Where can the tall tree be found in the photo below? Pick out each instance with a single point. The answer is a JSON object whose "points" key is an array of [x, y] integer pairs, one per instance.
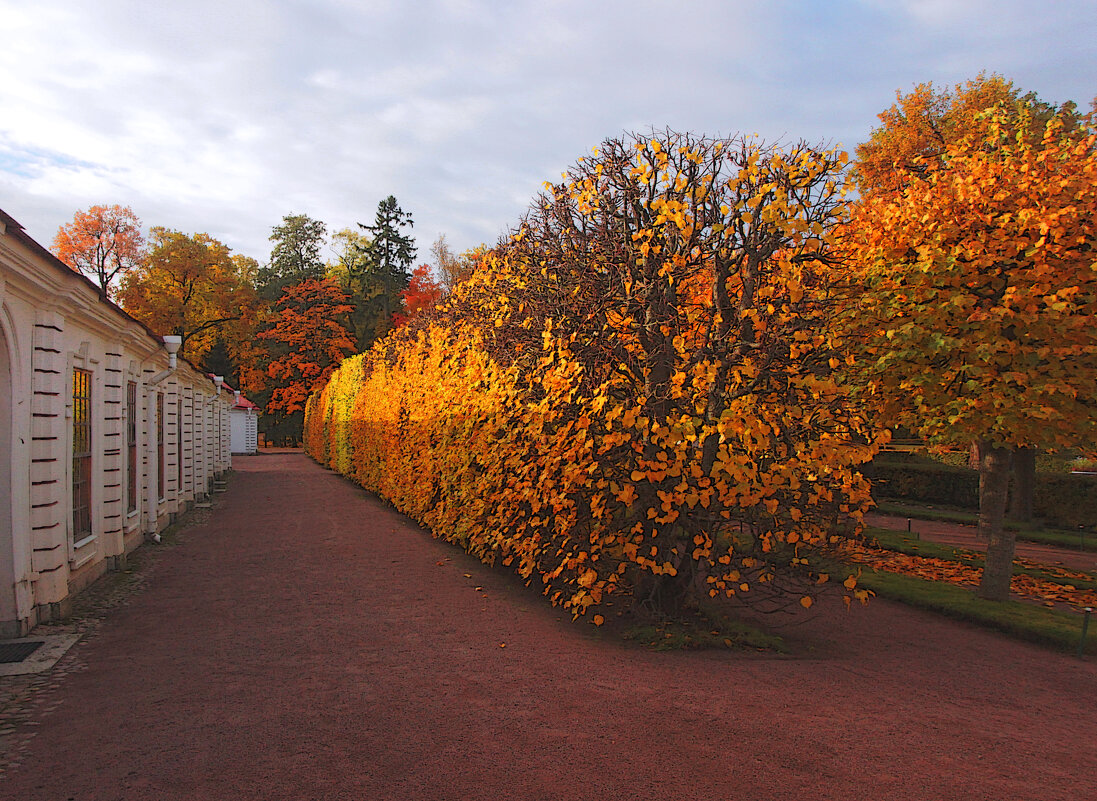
{"points": [[915, 135], [385, 270], [452, 269], [218, 360], [103, 242], [979, 296], [191, 286], [309, 336], [920, 127], [295, 256]]}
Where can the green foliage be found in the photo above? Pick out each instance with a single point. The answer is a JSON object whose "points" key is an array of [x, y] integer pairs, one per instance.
{"points": [[1061, 500], [380, 271], [1065, 500], [923, 480], [295, 256]]}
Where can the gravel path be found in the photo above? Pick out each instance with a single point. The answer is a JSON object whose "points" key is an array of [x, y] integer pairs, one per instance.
{"points": [[306, 642]]}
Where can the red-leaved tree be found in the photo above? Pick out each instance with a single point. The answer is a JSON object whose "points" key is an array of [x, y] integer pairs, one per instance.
{"points": [[103, 242]]}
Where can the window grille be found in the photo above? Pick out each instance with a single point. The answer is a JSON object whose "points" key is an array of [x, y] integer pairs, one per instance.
{"points": [[81, 454], [131, 446], [160, 445], [179, 445]]}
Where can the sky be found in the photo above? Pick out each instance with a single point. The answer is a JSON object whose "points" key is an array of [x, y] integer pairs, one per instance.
{"points": [[225, 116]]}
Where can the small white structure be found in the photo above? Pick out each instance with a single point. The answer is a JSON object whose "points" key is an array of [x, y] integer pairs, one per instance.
{"points": [[244, 424], [105, 435]]}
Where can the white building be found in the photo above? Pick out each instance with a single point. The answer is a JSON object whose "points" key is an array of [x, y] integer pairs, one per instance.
{"points": [[104, 435], [244, 423]]}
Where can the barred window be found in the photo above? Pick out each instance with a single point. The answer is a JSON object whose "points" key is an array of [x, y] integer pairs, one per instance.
{"points": [[81, 454], [131, 446]]}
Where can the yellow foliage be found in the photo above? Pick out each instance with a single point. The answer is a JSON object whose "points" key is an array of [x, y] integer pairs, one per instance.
{"points": [[627, 397]]}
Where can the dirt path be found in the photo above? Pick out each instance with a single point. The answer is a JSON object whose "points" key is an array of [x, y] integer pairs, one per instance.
{"points": [[309, 643], [962, 536]]}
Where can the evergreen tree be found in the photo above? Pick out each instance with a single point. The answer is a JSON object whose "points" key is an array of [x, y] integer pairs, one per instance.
{"points": [[385, 272], [219, 361]]}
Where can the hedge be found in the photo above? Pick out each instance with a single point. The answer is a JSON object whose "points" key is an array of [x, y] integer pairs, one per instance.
{"points": [[1061, 500]]}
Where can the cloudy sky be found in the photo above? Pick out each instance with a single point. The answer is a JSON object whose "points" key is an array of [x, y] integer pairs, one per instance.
{"points": [[224, 116]]}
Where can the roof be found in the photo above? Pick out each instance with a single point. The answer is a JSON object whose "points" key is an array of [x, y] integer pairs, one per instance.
{"points": [[241, 402], [14, 229]]}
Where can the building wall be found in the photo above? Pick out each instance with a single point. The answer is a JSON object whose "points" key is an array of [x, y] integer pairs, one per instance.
{"points": [[245, 430], [53, 322]]}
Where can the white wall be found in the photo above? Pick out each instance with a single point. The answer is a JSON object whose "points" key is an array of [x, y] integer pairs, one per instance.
{"points": [[52, 321]]}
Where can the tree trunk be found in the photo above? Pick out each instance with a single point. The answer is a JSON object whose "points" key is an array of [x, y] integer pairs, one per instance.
{"points": [[973, 456], [1024, 484], [994, 469]]}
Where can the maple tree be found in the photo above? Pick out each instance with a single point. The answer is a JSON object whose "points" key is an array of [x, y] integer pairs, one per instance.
{"points": [[309, 334], [192, 286], [979, 295], [422, 293], [637, 392], [104, 242]]}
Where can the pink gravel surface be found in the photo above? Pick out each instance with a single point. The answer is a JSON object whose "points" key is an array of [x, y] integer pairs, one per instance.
{"points": [[308, 642]]}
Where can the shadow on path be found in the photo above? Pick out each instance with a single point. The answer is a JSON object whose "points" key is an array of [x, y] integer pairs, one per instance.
{"points": [[307, 642]]}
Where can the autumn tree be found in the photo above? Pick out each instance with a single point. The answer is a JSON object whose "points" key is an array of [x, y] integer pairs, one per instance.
{"points": [[979, 295], [309, 336], [190, 285], [382, 273], [916, 132], [914, 138], [452, 269], [423, 292], [638, 391], [104, 242], [295, 256]]}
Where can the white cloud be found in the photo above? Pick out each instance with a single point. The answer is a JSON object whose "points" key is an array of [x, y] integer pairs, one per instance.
{"points": [[223, 117]]}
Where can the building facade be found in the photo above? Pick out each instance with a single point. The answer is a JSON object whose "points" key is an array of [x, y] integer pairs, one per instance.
{"points": [[244, 422], [105, 435]]}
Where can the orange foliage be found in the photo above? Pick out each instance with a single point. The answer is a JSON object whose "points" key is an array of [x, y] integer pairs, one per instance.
{"points": [[309, 327], [422, 293], [636, 393], [980, 293], [103, 242], [932, 569]]}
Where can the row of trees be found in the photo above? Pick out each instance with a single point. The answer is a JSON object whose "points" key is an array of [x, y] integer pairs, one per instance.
{"points": [[275, 330], [721, 325]]}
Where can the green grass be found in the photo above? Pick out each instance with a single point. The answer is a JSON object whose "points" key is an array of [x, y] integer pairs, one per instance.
{"points": [[708, 628], [1051, 627], [1055, 628], [899, 541], [1060, 538]]}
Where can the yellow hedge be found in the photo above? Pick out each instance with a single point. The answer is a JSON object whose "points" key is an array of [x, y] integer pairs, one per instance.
{"points": [[616, 402]]}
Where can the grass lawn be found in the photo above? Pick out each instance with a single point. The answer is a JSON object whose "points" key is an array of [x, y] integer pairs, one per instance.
{"points": [[1055, 627], [1076, 540], [901, 542]]}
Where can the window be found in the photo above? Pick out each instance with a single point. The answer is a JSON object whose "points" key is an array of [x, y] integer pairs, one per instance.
{"points": [[160, 445], [131, 446], [81, 454], [179, 446]]}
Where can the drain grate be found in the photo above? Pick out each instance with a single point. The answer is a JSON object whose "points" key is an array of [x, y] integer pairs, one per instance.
{"points": [[18, 651]]}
